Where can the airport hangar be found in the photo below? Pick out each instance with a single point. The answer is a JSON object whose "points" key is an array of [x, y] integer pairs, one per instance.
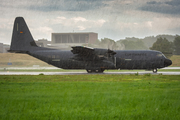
{"points": [[65, 41]]}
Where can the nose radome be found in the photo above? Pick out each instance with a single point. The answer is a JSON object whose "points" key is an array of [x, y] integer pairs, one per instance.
{"points": [[167, 62]]}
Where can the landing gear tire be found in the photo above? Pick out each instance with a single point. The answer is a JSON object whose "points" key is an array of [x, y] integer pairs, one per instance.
{"points": [[155, 70], [95, 71], [89, 71]]}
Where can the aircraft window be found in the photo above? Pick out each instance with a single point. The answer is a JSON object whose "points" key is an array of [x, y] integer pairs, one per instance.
{"points": [[163, 55], [159, 55]]}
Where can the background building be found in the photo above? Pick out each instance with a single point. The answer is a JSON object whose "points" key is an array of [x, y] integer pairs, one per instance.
{"points": [[4, 48], [43, 42], [66, 40]]}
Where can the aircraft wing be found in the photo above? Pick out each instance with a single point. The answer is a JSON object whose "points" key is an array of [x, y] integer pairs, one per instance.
{"points": [[81, 50], [88, 53]]}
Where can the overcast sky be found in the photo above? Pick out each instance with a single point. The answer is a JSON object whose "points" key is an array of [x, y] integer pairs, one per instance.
{"points": [[114, 19]]}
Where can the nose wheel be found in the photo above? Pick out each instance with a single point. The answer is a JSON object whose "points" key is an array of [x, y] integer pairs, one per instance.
{"points": [[155, 70]]}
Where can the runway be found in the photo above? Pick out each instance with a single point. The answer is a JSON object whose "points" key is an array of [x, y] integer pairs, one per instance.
{"points": [[78, 72], [85, 73]]}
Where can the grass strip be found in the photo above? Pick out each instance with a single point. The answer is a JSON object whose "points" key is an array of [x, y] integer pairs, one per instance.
{"points": [[90, 97]]}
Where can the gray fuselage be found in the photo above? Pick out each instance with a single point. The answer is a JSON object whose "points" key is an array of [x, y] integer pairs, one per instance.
{"points": [[138, 59]]}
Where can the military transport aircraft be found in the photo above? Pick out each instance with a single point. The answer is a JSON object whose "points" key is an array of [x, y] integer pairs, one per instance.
{"points": [[91, 59]]}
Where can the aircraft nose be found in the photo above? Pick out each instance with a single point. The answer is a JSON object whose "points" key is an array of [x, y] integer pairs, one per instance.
{"points": [[167, 62]]}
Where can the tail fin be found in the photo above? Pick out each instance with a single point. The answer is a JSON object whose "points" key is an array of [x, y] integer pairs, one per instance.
{"points": [[22, 40]]}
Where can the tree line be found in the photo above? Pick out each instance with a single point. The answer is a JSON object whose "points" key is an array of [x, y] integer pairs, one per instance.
{"points": [[167, 47]]}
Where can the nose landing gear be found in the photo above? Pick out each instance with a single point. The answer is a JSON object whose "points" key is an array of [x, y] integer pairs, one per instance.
{"points": [[155, 70]]}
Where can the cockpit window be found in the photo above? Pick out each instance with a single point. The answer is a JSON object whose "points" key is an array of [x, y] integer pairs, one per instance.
{"points": [[160, 55], [163, 55]]}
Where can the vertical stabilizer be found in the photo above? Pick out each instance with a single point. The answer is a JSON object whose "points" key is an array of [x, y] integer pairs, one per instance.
{"points": [[22, 40]]}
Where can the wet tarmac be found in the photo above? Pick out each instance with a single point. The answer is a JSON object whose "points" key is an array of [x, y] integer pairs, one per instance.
{"points": [[85, 73]]}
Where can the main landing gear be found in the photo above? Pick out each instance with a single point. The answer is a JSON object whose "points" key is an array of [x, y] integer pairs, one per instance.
{"points": [[155, 70], [95, 71]]}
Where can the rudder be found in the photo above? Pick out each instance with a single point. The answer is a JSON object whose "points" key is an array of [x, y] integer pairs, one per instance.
{"points": [[22, 40]]}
